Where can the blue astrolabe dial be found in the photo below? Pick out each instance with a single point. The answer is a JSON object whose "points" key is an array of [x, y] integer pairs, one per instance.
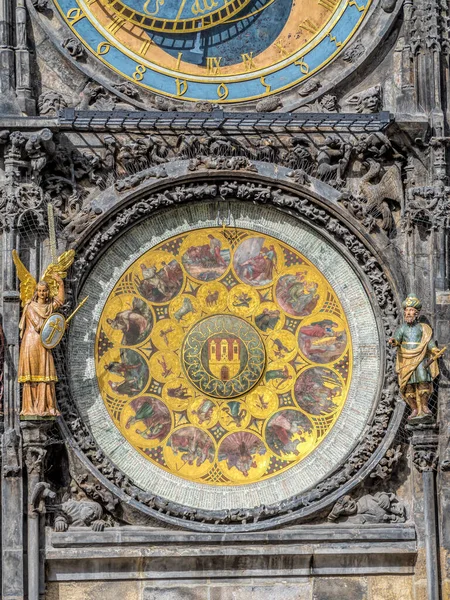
{"points": [[215, 50]]}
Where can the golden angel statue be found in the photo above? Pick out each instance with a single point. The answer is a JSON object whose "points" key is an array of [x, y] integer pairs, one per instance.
{"points": [[37, 370]]}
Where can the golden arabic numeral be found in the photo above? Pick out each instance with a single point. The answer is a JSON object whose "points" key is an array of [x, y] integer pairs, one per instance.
{"points": [[154, 12], [74, 15], [266, 85], [247, 59], [182, 87], [222, 91], [103, 48], [213, 65], [304, 67], [138, 74]]}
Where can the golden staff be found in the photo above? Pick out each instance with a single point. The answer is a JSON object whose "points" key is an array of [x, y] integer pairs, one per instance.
{"points": [[76, 310], [435, 357]]}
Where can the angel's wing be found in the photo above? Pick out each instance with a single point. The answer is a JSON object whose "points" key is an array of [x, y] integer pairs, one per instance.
{"points": [[27, 281], [61, 267]]}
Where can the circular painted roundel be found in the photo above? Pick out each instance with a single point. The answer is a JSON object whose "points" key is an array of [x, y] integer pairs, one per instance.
{"points": [[215, 50], [227, 367], [223, 356]]}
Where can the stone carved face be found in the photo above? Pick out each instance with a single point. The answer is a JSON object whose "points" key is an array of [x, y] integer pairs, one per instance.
{"points": [[349, 506], [88, 513]]}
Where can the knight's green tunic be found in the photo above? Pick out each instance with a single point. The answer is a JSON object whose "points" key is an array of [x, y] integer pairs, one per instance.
{"points": [[410, 336]]}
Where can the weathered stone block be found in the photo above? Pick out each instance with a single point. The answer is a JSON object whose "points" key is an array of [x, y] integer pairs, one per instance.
{"points": [[391, 588], [92, 590], [281, 591], [338, 588], [161, 592]]}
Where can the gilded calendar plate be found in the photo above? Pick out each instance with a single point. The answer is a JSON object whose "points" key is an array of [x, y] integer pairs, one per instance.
{"points": [[223, 356], [215, 50]]}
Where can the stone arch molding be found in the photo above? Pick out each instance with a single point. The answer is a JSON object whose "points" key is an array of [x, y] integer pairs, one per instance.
{"points": [[249, 198]]}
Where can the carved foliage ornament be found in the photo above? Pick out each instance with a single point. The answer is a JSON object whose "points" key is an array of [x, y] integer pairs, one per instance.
{"points": [[112, 478]]}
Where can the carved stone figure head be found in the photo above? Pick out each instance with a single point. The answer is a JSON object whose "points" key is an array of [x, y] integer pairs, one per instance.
{"points": [[345, 506]]}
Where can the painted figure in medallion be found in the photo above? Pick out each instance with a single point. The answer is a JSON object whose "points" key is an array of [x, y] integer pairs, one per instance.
{"points": [[318, 390], [133, 370], [322, 341], [416, 358], [205, 412], [194, 445], [256, 263], [160, 285], [240, 450], [154, 417], [286, 429], [37, 370], [297, 295], [135, 322], [268, 319], [208, 261]]}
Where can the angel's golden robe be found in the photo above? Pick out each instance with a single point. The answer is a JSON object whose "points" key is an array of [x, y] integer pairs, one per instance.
{"points": [[36, 367]]}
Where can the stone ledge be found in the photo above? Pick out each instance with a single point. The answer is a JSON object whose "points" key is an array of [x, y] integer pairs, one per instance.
{"points": [[131, 553], [128, 535]]}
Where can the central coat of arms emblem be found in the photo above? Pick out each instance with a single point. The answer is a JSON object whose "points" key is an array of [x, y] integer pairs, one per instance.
{"points": [[223, 356]]}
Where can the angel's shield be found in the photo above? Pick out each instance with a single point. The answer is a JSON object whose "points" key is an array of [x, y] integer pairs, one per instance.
{"points": [[53, 330]]}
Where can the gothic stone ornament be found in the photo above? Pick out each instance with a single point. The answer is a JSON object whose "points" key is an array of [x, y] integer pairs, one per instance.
{"points": [[301, 503], [80, 513], [417, 356], [381, 507], [197, 50]]}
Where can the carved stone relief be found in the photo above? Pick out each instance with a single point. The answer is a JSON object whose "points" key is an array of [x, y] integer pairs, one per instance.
{"points": [[377, 508]]}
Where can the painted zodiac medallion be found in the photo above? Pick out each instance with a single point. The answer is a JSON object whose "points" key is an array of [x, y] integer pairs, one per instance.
{"points": [[223, 356]]}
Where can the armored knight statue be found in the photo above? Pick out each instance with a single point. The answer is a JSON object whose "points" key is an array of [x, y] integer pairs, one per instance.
{"points": [[37, 370], [417, 356]]}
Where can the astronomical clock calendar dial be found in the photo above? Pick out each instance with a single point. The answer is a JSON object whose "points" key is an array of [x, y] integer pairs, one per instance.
{"points": [[223, 357], [240, 357], [216, 50]]}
